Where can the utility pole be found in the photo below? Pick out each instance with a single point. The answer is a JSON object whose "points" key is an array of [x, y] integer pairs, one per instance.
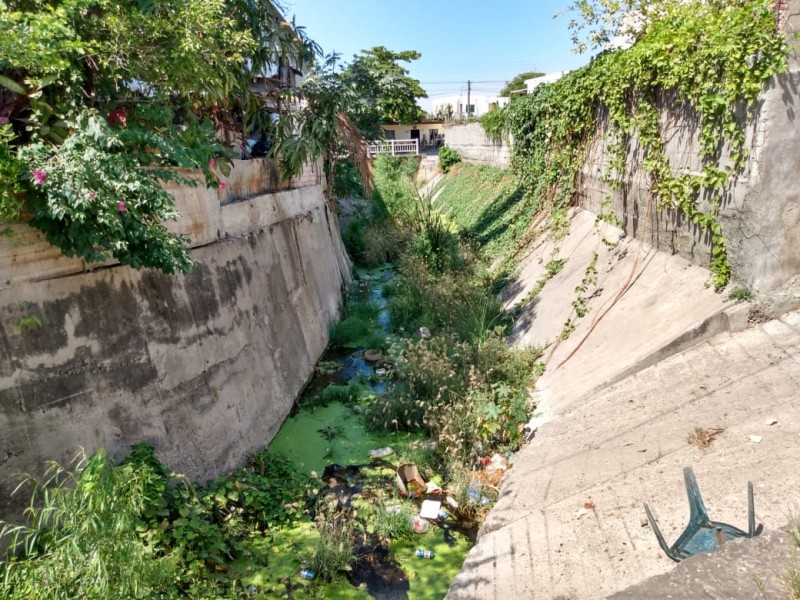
{"points": [[469, 89]]}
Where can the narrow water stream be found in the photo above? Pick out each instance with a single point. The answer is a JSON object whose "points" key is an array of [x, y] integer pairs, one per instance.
{"points": [[332, 443]]}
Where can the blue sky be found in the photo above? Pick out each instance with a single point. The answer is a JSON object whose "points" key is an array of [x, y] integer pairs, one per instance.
{"points": [[487, 42]]}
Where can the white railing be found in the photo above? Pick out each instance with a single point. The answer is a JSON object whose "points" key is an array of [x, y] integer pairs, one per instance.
{"points": [[395, 147]]}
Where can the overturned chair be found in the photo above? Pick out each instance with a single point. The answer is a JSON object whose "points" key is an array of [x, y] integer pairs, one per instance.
{"points": [[702, 534]]}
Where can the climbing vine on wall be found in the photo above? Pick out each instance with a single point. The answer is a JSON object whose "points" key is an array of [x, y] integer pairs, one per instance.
{"points": [[711, 57]]}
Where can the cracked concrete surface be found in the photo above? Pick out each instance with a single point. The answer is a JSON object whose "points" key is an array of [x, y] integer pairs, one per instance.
{"points": [[613, 421], [627, 445]]}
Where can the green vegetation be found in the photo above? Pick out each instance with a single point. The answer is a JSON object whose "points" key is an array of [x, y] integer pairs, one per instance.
{"points": [[29, 323], [447, 158], [357, 329], [740, 294], [489, 207], [333, 553], [494, 124], [139, 530], [711, 57], [101, 100]]}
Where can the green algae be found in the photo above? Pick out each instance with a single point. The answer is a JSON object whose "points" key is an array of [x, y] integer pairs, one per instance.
{"points": [[274, 563], [333, 434], [429, 579]]}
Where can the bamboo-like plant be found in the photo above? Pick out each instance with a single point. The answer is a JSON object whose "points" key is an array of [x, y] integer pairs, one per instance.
{"points": [[80, 539]]}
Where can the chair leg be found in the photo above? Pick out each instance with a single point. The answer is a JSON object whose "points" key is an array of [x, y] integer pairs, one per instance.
{"points": [[751, 510], [697, 509], [661, 541]]}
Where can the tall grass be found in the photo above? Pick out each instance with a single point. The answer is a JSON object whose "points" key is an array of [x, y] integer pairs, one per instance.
{"points": [[81, 540]]}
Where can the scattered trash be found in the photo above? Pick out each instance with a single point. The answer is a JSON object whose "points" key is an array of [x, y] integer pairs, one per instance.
{"points": [[443, 515], [424, 333], [409, 481], [252, 590], [433, 488], [430, 509], [451, 502], [474, 490], [771, 421], [485, 501], [424, 553], [588, 505], [393, 509], [373, 355], [380, 372], [756, 439], [497, 463], [581, 512], [421, 525], [644, 523], [306, 574], [381, 452]]}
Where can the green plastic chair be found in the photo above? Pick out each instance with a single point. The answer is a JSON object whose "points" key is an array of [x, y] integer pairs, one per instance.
{"points": [[702, 534]]}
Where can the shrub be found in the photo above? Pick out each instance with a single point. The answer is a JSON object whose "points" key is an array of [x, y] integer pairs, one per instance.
{"points": [[345, 394], [392, 523], [447, 158], [347, 181], [395, 190], [494, 124], [437, 245], [372, 243], [81, 539], [334, 551], [94, 201]]}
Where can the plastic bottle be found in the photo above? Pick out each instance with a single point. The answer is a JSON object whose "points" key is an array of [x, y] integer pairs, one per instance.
{"points": [[424, 553], [474, 490], [306, 574], [381, 452]]}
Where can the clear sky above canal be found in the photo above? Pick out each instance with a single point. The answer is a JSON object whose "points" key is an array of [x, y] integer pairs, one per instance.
{"points": [[487, 42]]}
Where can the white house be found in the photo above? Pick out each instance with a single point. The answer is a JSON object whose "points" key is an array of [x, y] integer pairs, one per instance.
{"points": [[480, 104], [532, 84]]}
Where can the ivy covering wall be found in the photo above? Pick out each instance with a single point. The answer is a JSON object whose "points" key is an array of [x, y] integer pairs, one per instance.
{"points": [[711, 57]]}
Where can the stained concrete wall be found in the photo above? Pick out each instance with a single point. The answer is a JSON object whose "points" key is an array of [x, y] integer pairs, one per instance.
{"points": [[474, 146], [760, 216], [204, 366]]}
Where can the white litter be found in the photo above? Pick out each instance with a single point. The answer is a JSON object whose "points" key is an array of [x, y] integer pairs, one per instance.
{"points": [[756, 439], [430, 509]]}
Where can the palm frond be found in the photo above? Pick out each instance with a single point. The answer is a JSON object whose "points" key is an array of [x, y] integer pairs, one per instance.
{"points": [[357, 149]]}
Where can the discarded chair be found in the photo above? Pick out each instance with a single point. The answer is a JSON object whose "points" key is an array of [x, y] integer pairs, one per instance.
{"points": [[702, 534]]}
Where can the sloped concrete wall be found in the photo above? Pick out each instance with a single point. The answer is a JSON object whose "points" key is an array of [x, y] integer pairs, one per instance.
{"points": [[474, 146], [760, 216], [204, 366]]}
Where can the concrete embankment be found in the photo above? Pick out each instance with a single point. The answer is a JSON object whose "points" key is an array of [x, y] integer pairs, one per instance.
{"points": [[205, 367], [619, 400]]}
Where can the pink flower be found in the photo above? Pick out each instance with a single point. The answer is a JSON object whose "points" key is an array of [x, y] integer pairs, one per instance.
{"points": [[121, 206], [92, 195], [211, 163], [118, 116], [39, 177], [223, 185]]}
